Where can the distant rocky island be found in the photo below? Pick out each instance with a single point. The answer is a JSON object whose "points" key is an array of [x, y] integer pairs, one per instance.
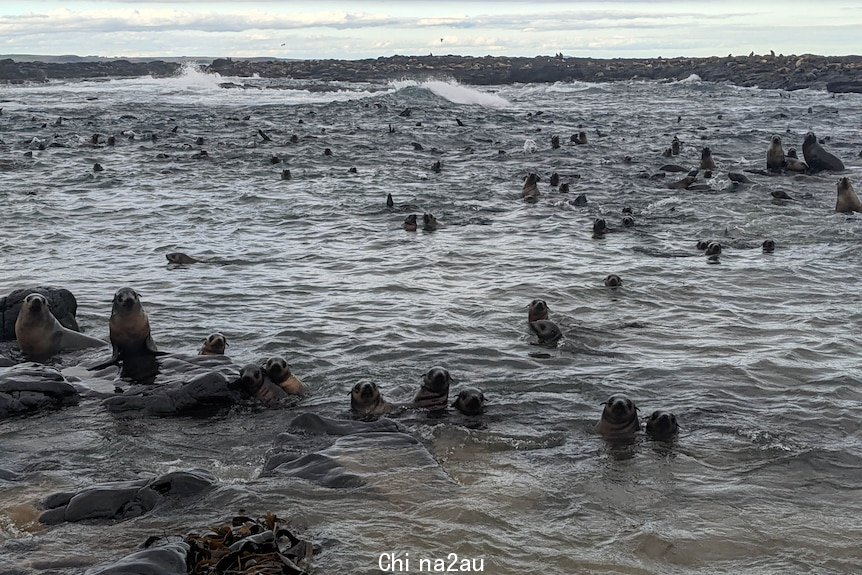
{"points": [[833, 73]]}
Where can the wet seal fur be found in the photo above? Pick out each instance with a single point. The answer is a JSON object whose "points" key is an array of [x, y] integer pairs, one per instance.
{"points": [[547, 331], [613, 280], [530, 193], [366, 401], [434, 392], [129, 329], [214, 344], [470, 401], [253, 382], [40, 336], [537, 310], [179, 258], [278, 371], [847, 201], [706, 161], [619, 417], [817, 158], [662, 425], [775, 155]]}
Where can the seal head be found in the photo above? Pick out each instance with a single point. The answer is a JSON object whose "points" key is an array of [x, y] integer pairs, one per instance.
{"points": [[662, 425], [434, 392], [537, 310], [214, 344], [619, 417], [470, 401]]}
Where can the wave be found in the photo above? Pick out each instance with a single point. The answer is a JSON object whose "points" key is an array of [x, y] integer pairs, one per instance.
{"points": [[455, 93]]}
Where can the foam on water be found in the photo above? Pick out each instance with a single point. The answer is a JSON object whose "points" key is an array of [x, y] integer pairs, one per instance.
{"points": [[456, 93]]}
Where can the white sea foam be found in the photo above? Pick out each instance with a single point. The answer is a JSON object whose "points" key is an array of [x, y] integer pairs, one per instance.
{"points": [[456, 93]]}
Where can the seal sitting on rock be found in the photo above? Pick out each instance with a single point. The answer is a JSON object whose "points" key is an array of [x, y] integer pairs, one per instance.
{"points": [[817, 158], [40, 336], [847, 201], [129, 329]]}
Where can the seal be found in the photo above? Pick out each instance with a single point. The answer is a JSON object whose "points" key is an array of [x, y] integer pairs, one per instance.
{"points": [[410, 223], [253, 381], [600, 228], [628, 221], [129, 329], [579, 138], [775, 155], [537, 310], [768, 246], [619, 417], [530, 193], [706, 161], [470, 401], [674, 146], [214, 344], [712, 249], [817, 158], [278, 371], [366, 401], [613, 280], [181, 259], [847, 201], [547, 331], [434, 392], [662, 425], [429, 222], [554, 181], [40, 336]]}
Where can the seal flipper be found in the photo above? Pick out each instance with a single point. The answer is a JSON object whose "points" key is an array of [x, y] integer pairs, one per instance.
{"points": [[115, 360], [150, 346]]}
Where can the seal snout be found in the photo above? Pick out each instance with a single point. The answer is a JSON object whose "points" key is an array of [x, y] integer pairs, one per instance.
{"points": [[437, 379], [662, 425]]}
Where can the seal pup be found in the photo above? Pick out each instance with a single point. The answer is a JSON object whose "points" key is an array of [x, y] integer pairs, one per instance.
{"points": [[278, 371], [429, 222], [662, 425], [817, 158], [129, 329], [434, 392], [847, 201], [536, 310], [366, 401], [179, 258], [613, 280], [470, 401], [547, 331], [619, 417], [775, 155], [530, 193], [410, 223], [214, 344], [40, 336], [706, 161], [253, 381]]}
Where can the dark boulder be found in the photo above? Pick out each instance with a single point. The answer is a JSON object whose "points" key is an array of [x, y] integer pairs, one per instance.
{"points": [[31, 387]]}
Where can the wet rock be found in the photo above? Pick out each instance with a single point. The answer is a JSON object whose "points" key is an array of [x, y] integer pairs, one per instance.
{"points": [[32, 387], [122, 499], [166, 559], [63, 306]]}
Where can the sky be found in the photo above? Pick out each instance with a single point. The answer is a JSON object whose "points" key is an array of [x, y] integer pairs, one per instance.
{"points": [[367, 29]]}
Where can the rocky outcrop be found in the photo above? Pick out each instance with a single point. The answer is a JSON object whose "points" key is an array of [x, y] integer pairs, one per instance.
{"points": [[31, 387], [16, 72], [63, 304]]}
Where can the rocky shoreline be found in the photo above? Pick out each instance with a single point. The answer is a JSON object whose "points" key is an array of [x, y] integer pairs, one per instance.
{"points": [[834, 73]]}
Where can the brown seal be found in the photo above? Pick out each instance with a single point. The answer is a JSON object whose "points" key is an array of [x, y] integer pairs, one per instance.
{"points": [[366, 401], [619, 417], [817, 158], [253, 381], [214, 344], [537, 310], [129, 328], [410, 223], [470, 401], [547, 331], [179, 258], [278, 370], [706, 161], [530, 193], [775, 155], [847, 201], [429, 222], [40, 336], [662, 425], [434, 392]]}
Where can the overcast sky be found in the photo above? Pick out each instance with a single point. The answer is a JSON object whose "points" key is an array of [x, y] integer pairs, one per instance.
{"points": [[339, 29]]}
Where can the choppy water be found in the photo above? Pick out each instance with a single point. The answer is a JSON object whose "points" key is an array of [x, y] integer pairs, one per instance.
{"points": [[757, 355]]}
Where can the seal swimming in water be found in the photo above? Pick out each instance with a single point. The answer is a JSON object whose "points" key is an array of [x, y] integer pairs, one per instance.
{"points": [[768, 246], [179, 258], [129, 329], [619, 417], [712, 249], [817, 158], [706, 161], [434, 392], [410, 223], [214, 344], [40, 336], [600, 228], [662, 425], [613, 280], [253, 381], [470, 401], [366, 401], [530, 193], [674, 146], [429, 222], [537, 310], [547, 331], [847, 201], [278, 370], [775, 155]]}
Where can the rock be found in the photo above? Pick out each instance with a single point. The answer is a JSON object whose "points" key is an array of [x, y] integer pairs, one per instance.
{"points": [[31, 387], [63, 304], [845, 86]]}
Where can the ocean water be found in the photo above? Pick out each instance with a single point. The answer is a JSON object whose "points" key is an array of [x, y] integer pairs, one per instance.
{"points": [[757, 353]]}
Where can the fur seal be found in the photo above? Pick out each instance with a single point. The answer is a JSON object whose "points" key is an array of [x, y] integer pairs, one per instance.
{"points": [[530, 193], [817, 158], [410, 223], [554, 181], [673, 168], [278, 371], [579, 138], [775, 155], [434, 392], [662, 425], [40, 336], [712, 249], [600, 228], [214, 344], [613, 280], [847, 201], [537, 310], [436, 166], [580, 200], [619, 417], [555, 142], [564, 188], [470, 401], [768, 246], [366, 401], [179, 258], [706, 161], [674, 146], [129, 328], [685, 182], [547, 331], [253, 381], [429, 222], [628, 221]]}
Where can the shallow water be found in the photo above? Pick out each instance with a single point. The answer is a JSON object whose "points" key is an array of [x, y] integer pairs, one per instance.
{"points": [[756, 354]]}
